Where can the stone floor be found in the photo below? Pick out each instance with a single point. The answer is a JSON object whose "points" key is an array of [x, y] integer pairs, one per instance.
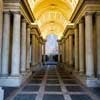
{"points": [[53, 83]]}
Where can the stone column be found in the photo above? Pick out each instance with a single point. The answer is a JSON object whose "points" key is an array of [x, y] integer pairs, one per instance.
{"points": [[1, 94], [1, 31], [58, 51], [64, 50], [98, 42], [76, 49], [28, 47], [81, 47], [61, 52], [15, 68], [36, 50], [89, 45], [71, 49], [33, 50], [23, 46], [67, 52], [44, 53], [6, 44], [40, 52]]}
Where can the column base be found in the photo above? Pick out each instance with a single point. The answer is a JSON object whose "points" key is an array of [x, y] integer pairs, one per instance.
{"points": [[98, 76], [87, 81], [28, 70], [68, 68], [23, 73], [76, 71], [1, 94], [13, 81], [36, 67], [81, 74]]}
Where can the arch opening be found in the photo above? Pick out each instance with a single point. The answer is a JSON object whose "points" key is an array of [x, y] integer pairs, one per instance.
{"points": [[51, 48]]}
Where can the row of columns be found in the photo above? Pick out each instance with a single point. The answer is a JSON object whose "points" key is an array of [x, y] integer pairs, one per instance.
{"points": [[37, 51], [15, 44], [1, 18], [21, 47], [66, 49], [84, 61], [80, 45]]}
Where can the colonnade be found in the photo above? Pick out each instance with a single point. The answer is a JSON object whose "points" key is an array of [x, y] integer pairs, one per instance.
{"points": [[37, 47], [21, 47], [15, 46], [1, 18], [82, 46]]}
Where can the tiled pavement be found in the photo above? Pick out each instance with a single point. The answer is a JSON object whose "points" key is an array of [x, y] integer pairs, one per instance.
{"points": [[53, 84]]}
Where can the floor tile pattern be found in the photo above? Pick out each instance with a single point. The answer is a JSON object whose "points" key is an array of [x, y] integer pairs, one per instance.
{"points": [[53, 83]]}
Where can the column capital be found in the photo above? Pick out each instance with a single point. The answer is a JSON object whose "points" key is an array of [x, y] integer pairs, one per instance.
{"points": [[89, 13], [6, 12], [71, 34], [24, 20], [75, 26], [29, 26], [97, 14], [81, 20], [16, 12]]}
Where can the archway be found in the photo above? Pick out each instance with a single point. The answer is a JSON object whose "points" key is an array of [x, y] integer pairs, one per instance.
{"points": [[51, 49]]}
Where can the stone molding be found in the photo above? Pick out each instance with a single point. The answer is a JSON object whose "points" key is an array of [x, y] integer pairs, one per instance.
{"points": [[97, 14], [87, 6]]}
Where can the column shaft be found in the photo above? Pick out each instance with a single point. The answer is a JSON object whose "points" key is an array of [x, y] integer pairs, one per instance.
{"points": [[6, 43], [36, 50], [16, 45], [33, 50], [81, 47], [98, 42], [44, 53], [64, 51], [89, 45], [68, 50], [40, 52], [1, 31], [23, 46], [58, 52], [76, 50], [71, 50], [28, 48]]}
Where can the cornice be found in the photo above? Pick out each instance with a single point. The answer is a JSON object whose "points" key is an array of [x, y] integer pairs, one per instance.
{"points": [[68, 27], [35, 28], [29, 9], [26, 11], [90, 6], [11, 6], [18, 6], [79, 5]]}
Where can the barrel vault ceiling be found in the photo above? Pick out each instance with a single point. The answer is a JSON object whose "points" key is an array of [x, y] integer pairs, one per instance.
{"points": [[52, 16]]}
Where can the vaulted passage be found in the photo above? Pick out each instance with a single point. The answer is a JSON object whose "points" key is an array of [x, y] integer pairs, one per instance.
{"points": [[49, 49]]}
